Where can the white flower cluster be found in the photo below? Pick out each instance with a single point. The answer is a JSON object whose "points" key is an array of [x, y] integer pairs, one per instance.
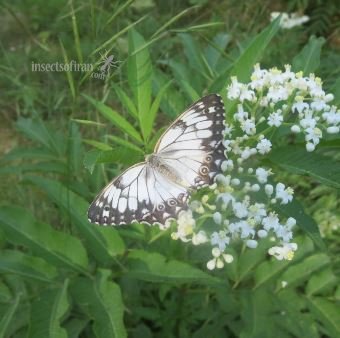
{"points": [[287, 95], [241, 204], [289, 20]]}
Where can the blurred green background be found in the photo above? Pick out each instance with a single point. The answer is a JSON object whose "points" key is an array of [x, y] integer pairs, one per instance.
{"points": [[61, 276]]}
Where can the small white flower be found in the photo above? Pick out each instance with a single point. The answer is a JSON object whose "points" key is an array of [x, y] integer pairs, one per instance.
{"points": [[275, 119], [251, 243], [248, 126], [185, 225], [310, 147], [235, 181], [227, 165], [332, 116], [290, 222], [314, 135], [271, 222], [308, 121], [234, 89], [289, 21], [295, 129], [284, 284], [333, 130], [220, 239], [262, 175], [199, 238], [264, 146], [262, 233], [240, 210], [268, 188], [284, 194], [217, 217], [319, 104], [211, 264], [257, 211], [300, 105], [228, 258], [285, 252]]}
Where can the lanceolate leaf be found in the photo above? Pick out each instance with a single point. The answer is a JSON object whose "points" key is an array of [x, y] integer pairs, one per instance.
{"points": [[103, 248], [102, 300], [56, 247], [154, 267], [140, 80], [113, 116], [298, 161], [120, 155], [328, 313], [304, 221], [47, 313], [15, 262], [8, 316], [243, 66], [308, 59]]}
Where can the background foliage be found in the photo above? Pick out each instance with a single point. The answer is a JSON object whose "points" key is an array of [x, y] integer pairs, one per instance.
{"points": [[64, 135]]}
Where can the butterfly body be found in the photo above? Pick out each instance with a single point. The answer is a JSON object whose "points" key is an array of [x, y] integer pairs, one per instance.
{"points": [[187, 157]]}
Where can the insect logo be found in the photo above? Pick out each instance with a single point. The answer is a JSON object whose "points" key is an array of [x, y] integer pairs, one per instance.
{"points": [[106, 62]]}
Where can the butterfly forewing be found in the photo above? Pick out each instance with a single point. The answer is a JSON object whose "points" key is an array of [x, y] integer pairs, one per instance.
{"points": [[189, 154], [191, 145]]}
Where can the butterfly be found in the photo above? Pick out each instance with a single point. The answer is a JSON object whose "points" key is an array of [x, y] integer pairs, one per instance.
{"points": [[186, 157]]}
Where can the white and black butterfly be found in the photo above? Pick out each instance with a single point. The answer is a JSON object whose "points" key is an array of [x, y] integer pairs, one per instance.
{"points": [[186, 157]]}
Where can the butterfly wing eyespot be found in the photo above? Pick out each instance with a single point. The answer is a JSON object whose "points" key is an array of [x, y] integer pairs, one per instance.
{"points": [[172, 202], [160, 206], [204, 170], [191, 152]]}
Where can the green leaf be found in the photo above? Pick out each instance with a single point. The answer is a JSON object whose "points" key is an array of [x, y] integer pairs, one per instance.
{"points": [[154, 267], [75, 326], [102, 299], [98, 145], [243, 66], [119, 155], [47, 313], [328, 313], [336, 91], [319, 282], [173, 102], [29, 153], [156, 103], [124, 143], [215, 50], [194, 55], [140, 80], [5, 293], [304, 221], [36, 130], [297, 160], [249, 259], [15, 262], [267, 270], [56, 247], [299, 272], [126, 101], [76, 207], [114, 117], [189, 90], [308, 60], [8, 316]]}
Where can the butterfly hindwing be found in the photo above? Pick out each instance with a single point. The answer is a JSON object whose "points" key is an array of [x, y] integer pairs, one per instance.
{"points": [[140, 194]]}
